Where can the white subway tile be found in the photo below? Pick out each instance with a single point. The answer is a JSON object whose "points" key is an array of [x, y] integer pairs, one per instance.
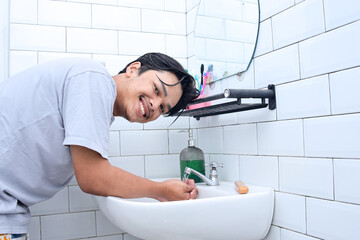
{"points": [[131, 237], [57, 204], [21, 60], [142, 43], [265, 41], [230, 170], [281, 138], [338, 13], [332, 220], [306, 176], [256, 115], [64, 14], [305, 98], [269, 8], [240, 139], [162, 166], [251, 11], [114, 145], [154, 4], [49, 56], [336, 136], [68, 226], [176, 46], [211, 140], [290, 27], [135, 164], [332, 51], [344, 87], [106, 2], [244, 80], [178, 140], [80, 201], [104, 226], [92, 41], [222, 119], [175, 6], [290, 235], [163, 22], [121, 123], [23, 11], [290, 212], [259, 170], [277, 67], [114, 63], [110, 17], [34, 228], [168, 123], [347, 180], [284, 32], [191, 21], [41, 38]]}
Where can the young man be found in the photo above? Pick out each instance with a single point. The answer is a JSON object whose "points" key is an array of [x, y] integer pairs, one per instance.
{"points": [[55, 120]]}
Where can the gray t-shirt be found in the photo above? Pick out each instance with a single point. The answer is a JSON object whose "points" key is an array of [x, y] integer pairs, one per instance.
{"points": [[43, 110]]}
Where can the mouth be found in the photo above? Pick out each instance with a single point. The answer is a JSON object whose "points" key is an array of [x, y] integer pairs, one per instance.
{"points": [[143, 110]]}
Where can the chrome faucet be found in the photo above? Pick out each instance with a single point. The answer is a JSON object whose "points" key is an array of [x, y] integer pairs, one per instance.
{"points": [[212, 180]]}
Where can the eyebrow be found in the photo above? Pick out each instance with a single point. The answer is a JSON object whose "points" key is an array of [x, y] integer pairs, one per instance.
{"points": [[163, 86]]}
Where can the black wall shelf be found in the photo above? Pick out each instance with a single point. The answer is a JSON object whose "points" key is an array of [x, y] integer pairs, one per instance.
{"points": [[233, 106]]}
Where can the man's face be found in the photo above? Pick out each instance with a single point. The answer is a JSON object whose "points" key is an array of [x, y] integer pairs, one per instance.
{"points": [[147, 97]]}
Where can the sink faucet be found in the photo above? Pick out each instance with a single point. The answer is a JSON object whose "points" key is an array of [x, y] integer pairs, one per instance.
{"points": [[213, 177]]}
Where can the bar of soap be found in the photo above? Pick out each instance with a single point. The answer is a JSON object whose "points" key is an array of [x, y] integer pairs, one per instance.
{"points": [[241, 187]]}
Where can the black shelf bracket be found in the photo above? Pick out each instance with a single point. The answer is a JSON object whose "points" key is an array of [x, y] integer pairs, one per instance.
{"points": [[233, 106]]}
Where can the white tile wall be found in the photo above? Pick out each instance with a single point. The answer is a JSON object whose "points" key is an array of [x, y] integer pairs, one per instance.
{"points": [[343, 91], [336, 136], [305, 98], [23, 11], [162, 166], [290, 212], [277, 67], [230, 170], [64, 14], [306, 176], [269, 8], [281, 138], [38, 37], [324, 54], [347, 180], [211, 140], [67, 226], [259, 170], [240, 139], [112, 17], [332, 220], [83, 40], [290, 27], [339, 13]]}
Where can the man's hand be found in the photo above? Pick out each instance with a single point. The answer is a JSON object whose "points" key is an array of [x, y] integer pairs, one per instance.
{"points": [[178, 190]]}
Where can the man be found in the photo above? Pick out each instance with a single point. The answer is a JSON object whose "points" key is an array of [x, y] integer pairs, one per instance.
{"points": [[55, 120]]}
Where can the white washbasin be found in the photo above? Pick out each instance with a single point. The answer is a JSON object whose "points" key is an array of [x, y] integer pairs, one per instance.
{"points": [[219, 212]]}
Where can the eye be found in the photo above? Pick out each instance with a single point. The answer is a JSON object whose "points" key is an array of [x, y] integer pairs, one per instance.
{"points": [[156, 90]]}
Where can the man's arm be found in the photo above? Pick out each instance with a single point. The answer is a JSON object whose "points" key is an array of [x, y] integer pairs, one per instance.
{"points": [[95, 175]]}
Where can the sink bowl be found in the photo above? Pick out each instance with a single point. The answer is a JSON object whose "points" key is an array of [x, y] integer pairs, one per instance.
{"points": [[219, 212]]}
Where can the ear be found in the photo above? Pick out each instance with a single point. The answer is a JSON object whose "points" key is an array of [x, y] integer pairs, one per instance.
{"points": [[132, 69]]}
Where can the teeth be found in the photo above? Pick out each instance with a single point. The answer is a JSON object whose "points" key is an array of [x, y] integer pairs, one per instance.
{"points": [[142, 109]]}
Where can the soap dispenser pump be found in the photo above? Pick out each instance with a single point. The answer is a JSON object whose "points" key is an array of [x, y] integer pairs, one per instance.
{"points": [[192, 157]]}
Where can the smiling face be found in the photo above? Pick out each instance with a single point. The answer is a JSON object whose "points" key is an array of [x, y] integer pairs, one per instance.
{"points": [[144, 98]]}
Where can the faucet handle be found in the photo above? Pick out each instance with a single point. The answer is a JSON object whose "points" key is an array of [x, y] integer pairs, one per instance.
{"points": [[214, 164]]}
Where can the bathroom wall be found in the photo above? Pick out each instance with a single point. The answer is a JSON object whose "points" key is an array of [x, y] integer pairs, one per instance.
{"points": [[307, 149]]}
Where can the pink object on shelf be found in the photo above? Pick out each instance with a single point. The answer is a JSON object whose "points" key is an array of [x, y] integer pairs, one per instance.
{"points": [[199, 105]]}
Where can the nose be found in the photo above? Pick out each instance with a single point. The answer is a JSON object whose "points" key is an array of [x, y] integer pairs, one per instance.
{"points": [[154, 105]]}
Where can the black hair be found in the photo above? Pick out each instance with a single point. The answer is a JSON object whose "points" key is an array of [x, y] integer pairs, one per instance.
{"points": [[162, 62]]}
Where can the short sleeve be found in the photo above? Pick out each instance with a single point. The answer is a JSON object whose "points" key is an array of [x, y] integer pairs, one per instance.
{"points": [[88, 100]]}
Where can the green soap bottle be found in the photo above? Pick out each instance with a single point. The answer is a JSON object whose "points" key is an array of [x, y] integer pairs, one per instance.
{"points": [[192, 157]]}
